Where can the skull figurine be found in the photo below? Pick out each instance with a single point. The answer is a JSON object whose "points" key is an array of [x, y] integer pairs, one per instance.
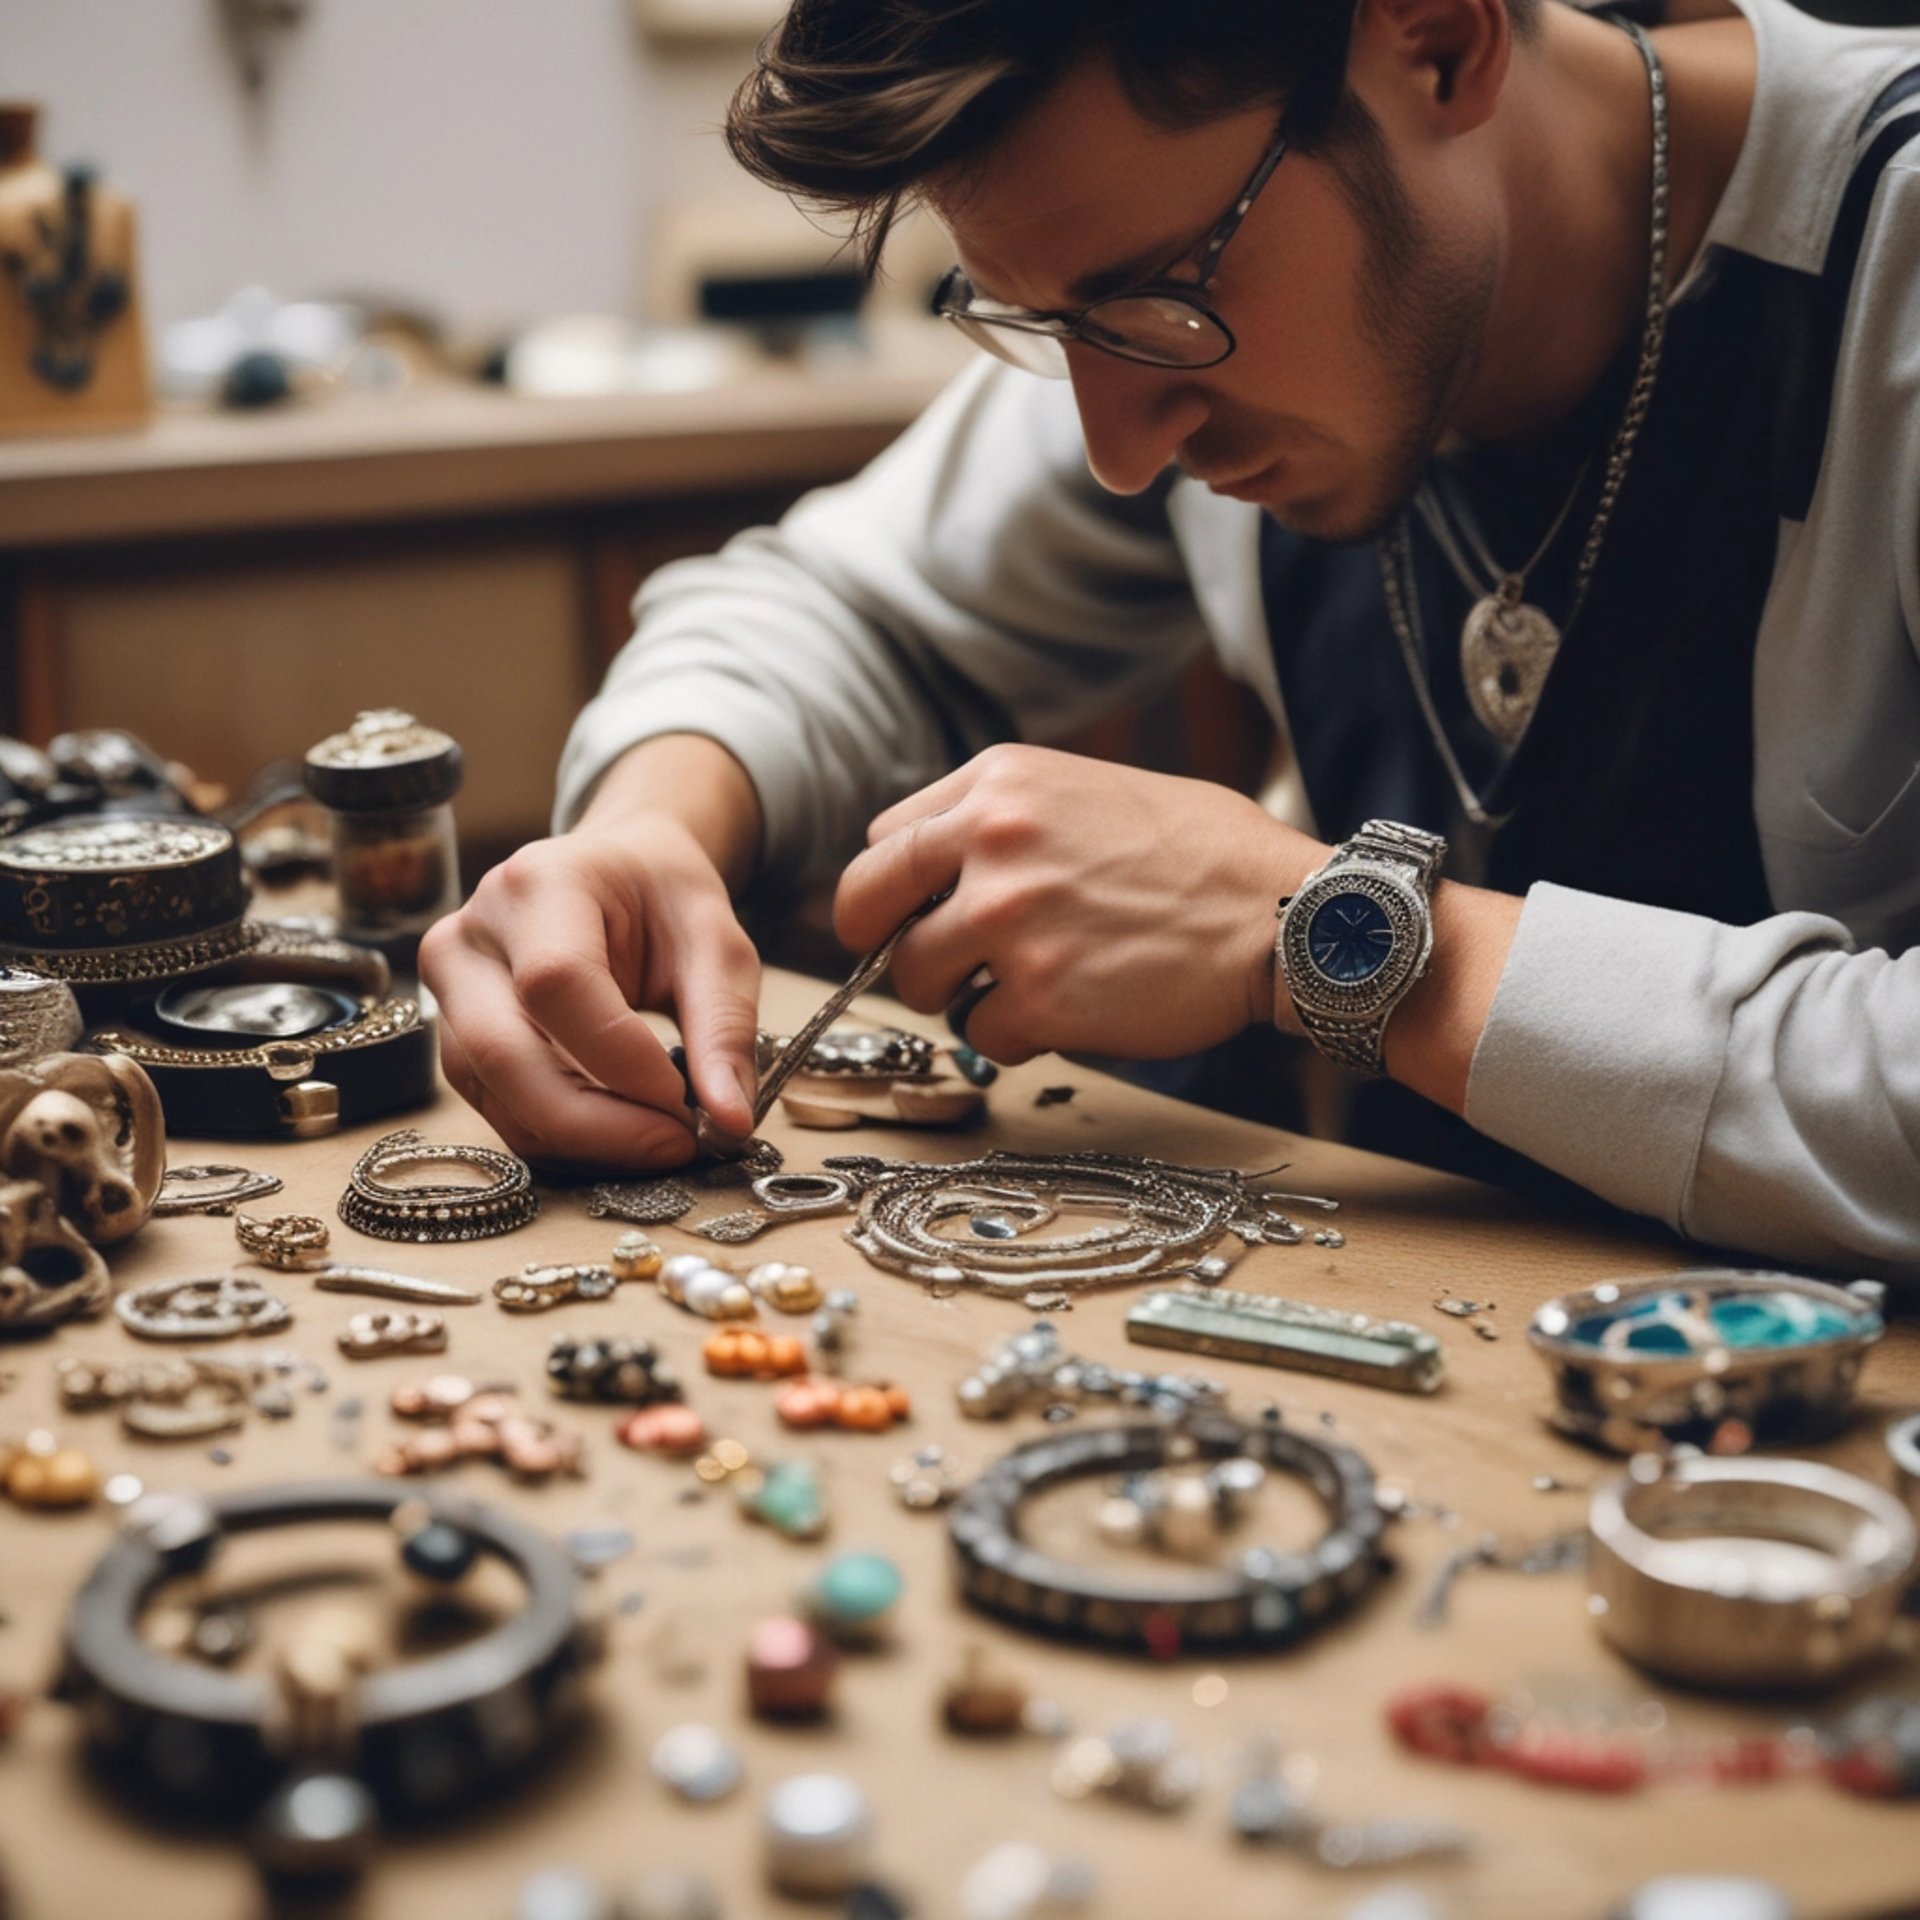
{"points": [[48, 1272], [88, 1128]]}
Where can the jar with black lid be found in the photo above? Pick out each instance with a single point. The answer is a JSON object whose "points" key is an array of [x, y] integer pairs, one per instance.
{"points": [[388, 782]]}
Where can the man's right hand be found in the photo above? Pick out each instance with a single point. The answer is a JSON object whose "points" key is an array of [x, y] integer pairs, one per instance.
{"points": [[538, 976]]}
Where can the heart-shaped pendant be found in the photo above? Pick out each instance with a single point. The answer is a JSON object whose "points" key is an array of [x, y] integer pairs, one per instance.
{"points": [[1507, 649]]}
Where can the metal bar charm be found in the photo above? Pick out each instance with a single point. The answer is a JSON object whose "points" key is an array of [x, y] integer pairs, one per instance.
{"points": [[1229, 1325]]}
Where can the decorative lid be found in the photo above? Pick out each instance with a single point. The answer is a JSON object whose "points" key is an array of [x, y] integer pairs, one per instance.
{"points": [[385, 760], [99, 881]]}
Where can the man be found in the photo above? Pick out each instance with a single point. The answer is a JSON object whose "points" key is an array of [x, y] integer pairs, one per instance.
{"points": [[1528, 409]]}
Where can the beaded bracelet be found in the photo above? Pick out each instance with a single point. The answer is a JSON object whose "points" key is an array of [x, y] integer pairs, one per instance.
{"points": [[375, 1205], [426, 1736], [1266, 1599]]}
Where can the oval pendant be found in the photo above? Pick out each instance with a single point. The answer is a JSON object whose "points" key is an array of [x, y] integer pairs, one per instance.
{"points": [[1507, 649]]}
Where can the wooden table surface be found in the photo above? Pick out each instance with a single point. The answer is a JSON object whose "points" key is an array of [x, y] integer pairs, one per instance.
{"points": [[681, 1604]]}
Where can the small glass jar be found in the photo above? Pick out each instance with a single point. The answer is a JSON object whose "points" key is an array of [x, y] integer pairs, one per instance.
{"points": [[388, 783]]}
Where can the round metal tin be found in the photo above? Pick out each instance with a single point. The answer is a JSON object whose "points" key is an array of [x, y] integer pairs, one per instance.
{"points": [[1722, 1358]]}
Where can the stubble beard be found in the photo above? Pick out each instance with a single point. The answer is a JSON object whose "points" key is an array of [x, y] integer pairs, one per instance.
{"points": [[1424, 303]]}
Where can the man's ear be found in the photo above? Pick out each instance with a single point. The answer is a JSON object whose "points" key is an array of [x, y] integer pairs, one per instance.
{"points": [[1434, 65]]}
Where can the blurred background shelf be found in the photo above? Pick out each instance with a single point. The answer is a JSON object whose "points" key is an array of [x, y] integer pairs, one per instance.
{"points": [[230, 586]]}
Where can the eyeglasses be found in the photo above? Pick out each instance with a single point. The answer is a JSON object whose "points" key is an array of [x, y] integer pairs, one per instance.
{"points": [[1166, 323]]}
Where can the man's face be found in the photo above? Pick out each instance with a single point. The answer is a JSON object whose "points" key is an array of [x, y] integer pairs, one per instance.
{"points": [[1357, 328]]}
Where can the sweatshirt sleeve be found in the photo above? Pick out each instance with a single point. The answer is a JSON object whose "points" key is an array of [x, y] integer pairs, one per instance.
{"points": [[1754, 1087]]}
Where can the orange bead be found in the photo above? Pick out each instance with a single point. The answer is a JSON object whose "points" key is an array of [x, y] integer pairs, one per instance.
{"points": [[899, 1404], [785, 1354], [721, 1352], [865, 1409], [807, 1403], [664, 1429]]}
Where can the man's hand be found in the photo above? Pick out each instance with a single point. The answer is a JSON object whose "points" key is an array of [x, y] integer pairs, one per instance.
{"points": [[539, 974], [1121, 912]]}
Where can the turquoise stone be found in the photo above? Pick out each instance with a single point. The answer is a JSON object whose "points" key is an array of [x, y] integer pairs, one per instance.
{"points": [[1650, 1327], [1777, 1320], [975, 1066], [1742, 1321], [856, 1590], [790, 1499]]}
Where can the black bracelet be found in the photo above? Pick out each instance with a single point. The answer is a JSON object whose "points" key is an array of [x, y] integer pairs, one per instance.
{"points": [[1265, 1599], [430, 1734]]}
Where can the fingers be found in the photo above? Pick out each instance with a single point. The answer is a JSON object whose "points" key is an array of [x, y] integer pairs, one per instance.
{"points": [[716, 995], [534, 1098], [935, 959], [562, 976], [895, 876], [946, 792]]}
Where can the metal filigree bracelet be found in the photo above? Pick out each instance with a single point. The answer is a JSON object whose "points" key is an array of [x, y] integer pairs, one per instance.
{"points": [[374, 1203], [1168, 1218]]}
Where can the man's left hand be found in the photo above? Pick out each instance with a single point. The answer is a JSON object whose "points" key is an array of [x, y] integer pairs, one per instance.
{"points": [[1120, 912]]}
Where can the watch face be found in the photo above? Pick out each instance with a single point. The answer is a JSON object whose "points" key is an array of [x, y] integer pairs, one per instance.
{"points": [[1350, 937]]}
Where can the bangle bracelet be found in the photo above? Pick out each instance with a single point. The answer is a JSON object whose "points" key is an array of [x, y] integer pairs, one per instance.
{"points": [[429, 1734], [377, 1205], [1719, 1358], [1265, 1599], [1747, 1572], [290, 1242]]}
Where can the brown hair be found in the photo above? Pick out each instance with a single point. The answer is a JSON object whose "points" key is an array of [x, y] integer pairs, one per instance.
{"points": [[854, 105]]}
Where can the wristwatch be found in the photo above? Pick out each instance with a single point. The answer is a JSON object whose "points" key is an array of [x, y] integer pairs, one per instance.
{"points": [[1357, 936]]}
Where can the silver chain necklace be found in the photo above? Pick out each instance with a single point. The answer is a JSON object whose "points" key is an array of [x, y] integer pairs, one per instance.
{"points": [[1507, 645]]}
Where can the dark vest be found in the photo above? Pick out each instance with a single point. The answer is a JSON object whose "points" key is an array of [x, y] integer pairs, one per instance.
{"points": [[1635, 777]]}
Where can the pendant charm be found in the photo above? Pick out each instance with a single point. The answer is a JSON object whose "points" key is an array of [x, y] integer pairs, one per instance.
{"points": [[1507, 649]]}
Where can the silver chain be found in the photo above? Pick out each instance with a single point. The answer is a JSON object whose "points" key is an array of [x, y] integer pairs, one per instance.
{"points": [[1396, 548]]}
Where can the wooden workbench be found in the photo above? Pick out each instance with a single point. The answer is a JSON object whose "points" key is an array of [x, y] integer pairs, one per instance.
{"points": [[704, 1576]]}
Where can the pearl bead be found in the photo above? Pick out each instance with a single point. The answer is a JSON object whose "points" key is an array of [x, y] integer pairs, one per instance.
{"points": [[704, 1291], [818, 1831], [676, 1272], [318, 1824], [696, 1763], [1186, 1523]]}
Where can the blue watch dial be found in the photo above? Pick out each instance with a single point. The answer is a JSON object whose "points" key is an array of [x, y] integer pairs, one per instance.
{"points": [[1350, 937]]}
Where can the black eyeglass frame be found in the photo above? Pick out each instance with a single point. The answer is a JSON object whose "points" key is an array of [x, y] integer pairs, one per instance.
{"points": [[1070, 323]]}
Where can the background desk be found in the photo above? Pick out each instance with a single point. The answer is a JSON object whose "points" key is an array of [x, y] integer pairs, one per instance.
{"points": [[941, 1803], [233, 586]]}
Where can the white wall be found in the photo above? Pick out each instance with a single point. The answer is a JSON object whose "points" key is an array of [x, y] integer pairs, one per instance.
{"points": [[495, 160]]}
